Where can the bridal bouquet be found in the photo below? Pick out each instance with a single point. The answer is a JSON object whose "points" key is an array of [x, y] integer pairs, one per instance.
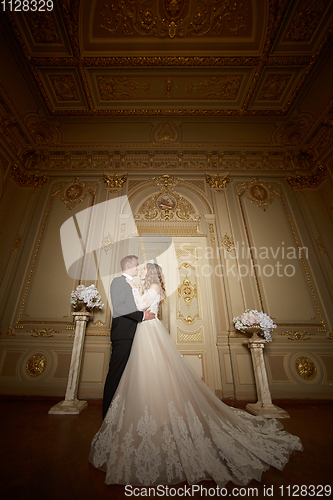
{"points": [[251, 318], [88, 295]]}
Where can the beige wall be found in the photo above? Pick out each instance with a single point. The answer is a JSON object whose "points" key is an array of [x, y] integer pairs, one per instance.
{"points": [[35, 287]]}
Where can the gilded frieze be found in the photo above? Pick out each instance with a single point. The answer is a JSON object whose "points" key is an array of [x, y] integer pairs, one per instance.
{"points": [[173, 19], [113, 88]]}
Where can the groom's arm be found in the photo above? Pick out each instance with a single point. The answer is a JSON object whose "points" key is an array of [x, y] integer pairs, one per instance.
{"points": [[120, 303]]}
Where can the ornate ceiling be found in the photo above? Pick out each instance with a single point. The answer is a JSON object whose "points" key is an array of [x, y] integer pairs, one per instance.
{"points": [[242, 84], [173, 57]]}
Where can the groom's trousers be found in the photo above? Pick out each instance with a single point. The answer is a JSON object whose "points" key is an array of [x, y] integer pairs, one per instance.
{"points": [[121, 350]]}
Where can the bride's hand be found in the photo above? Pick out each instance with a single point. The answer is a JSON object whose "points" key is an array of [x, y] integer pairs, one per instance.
{"points": [[131, 283]]}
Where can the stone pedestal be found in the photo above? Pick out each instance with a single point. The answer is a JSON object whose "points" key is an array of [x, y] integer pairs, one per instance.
{"points": [[71, 405], [264, 405]]}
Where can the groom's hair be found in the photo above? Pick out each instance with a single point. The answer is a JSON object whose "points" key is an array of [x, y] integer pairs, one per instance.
{"points": [[124, 261]]}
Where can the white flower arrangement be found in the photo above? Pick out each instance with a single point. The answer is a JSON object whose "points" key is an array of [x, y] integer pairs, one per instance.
{"points": [[89, 295], [251, 318]]}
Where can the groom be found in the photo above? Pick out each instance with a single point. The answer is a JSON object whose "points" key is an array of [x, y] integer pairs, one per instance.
{"points": [[124, 322]]}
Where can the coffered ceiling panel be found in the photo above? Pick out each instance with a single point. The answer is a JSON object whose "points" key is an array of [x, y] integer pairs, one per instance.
{"points": [[172, 27], [303, 27], [43, 33], [173, 57], [63, 88], [221, 88], [275, 87]]}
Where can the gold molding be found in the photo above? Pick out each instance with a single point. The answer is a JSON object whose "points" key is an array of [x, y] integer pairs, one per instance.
{"points": [[43, 332], [227, 242], [297, 335]]}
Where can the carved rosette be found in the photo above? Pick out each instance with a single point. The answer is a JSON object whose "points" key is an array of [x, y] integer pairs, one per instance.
{"points": [[71, 194], [306, 368], [36, 365]]}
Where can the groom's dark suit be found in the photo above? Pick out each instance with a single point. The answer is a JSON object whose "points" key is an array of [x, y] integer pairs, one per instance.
{"points": [[124, 322]]}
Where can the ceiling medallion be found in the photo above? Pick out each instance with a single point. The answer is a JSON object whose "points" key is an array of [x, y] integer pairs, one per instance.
{"points": [[74, 193]]}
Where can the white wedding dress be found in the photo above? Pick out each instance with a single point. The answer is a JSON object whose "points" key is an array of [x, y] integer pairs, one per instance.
{"points": [[165, 426]]}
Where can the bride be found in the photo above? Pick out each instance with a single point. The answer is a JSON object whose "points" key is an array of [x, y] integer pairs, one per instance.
{"points": [[165, 426]]}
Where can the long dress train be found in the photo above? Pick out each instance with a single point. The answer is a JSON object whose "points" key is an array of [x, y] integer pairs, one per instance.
{"points": [[165, 426]]}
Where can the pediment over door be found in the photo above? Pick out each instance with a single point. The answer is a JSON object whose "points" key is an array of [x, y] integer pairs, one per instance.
{"points": [[167, 212]]}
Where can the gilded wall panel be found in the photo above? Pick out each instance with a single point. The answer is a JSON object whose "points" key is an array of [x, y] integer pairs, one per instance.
{"points": [[275, 260]]}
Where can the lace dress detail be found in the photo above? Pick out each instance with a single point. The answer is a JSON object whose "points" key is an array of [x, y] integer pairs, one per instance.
{"points": [[165, 425]]}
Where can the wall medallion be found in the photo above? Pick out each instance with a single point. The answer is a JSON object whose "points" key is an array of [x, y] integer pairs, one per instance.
{"points": [[306, 368], [36, 365], [74, 193], [259, 193]]}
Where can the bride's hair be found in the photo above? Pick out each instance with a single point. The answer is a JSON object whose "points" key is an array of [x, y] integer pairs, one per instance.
{"points": [[155, 275]]}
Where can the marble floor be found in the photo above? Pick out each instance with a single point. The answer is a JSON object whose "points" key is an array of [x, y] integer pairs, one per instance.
{"points": [[46, 456]]}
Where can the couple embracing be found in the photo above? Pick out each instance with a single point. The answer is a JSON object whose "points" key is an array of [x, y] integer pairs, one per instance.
{"points": [[162, 424]]}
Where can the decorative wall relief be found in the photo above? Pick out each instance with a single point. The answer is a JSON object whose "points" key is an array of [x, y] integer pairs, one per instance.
{"points": [[217, 183], [166, 133], [297, 335], [27, 180], [258, 192], [221, 88], [306, 368], [36, 365], [43, 131], [73, 193], [188, 304], [312, 180], [113, 88], [115, 183], [172, 19]]}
